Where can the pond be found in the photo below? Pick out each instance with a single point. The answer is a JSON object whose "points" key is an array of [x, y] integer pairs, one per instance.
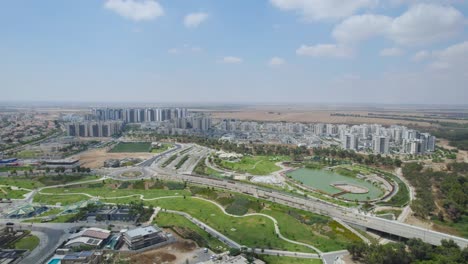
{"points": [[322, 180]]}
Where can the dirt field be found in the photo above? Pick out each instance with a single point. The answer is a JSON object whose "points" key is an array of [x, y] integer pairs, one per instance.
{"points": [[322, 115], [95, 158], [462, 155], [175, 253]]}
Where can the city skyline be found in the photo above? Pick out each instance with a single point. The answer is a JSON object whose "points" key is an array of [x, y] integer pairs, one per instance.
{"points": [[389, 52]]}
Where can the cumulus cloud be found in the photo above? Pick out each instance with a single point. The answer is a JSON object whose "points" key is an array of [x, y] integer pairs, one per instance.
{"points": [[193, 20], [136, 10], [276, 62], [391, 52], [358, 28], [454, 57], [232, 60], [425, 23], [420, 24], [323, 9], [325, 50]]}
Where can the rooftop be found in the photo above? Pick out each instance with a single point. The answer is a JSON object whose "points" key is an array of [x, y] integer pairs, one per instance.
{"points": [[142, 231]]}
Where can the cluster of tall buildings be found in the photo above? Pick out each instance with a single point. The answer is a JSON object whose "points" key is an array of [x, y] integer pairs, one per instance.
{"points": [[94, 128], [384, 140], [365, 137], [137, 115]]}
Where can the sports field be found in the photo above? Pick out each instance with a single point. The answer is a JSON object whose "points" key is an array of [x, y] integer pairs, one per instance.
{"points": [[131, 147]]}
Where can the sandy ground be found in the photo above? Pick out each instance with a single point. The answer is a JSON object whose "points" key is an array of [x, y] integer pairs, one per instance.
{"points": [[172, 254], [462, 155], [323, 115], [95, 158]]}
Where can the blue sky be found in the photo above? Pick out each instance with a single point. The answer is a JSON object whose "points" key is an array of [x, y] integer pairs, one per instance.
{"points": [[307, 51]]}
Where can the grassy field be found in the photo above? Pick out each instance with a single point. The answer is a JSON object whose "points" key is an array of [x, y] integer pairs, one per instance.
{"points": [[288, 260], [7, 193], [28, 154], [130, 147], [33, 182], [107, 192], [254, 231], [63, 199], [255, 165], [29, 242], [173, 220], [21, 182], [58, 219]]}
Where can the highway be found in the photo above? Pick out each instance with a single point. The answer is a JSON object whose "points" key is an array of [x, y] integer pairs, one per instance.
{"points": [[347, 215]]}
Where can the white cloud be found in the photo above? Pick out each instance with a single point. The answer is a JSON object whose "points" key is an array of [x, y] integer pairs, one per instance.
{"points": [[135, 9], [276, 62], [420, 24], [325, 50], [323, 9], [425, 23], [391, 52], [421, 55], [359, 28], [454, 57], [193, 20], [232, 60]]}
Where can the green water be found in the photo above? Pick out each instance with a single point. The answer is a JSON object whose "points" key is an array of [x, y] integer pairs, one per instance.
{"points": [[321, 180]]}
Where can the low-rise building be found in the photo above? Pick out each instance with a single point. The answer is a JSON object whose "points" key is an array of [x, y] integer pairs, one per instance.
{"points": [[142, 237]]}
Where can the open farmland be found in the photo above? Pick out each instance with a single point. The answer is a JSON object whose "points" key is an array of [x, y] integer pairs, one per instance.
{"points": [[327, 115]]}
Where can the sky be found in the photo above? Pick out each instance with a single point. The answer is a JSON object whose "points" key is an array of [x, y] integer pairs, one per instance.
{"points": [[242, 51]]}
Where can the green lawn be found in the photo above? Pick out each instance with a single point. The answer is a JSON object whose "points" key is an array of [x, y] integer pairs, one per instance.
{"points": [[128, 147], [28, 154], [63, 199], [29, 242], [21, 182], [33, 182], [107, 193], [256, 165], [252, 231], [174, 220], [288, 260], [6, 193], [319, 231]]}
